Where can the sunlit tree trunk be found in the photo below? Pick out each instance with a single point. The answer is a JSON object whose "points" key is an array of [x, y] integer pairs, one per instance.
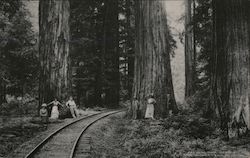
{"points": [[54, 37], [152, 59], [231, 73], [189, 50]]}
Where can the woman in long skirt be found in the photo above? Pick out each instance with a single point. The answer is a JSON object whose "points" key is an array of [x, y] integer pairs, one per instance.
{"points": [[150, 107], [55, 111]]}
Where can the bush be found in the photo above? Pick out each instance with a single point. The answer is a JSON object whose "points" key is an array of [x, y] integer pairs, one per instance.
{"points": [[19, 106]]}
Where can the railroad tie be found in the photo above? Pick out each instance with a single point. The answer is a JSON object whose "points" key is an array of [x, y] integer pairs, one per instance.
{"points": [[84, 148]]}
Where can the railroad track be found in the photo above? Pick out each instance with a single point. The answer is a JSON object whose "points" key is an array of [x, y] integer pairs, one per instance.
{"points": [[63, 142]]}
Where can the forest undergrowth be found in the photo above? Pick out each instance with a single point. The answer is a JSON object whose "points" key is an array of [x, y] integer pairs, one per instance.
{"points": [[182, 135], [15, 131]]}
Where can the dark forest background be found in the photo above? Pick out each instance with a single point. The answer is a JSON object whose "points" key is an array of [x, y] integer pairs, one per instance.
{"points": [[19, 49]]}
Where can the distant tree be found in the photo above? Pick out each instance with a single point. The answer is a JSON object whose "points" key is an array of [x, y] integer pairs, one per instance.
{"points": [[203, 23], [95, 53], [98, 40], [230, 75], [54, 38], [130, 42], [86, 26], [18, 50], [152, 58], [110, 53], [190, 49]]}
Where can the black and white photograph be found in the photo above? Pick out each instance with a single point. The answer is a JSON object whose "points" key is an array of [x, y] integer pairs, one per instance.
{"points": [[124, 78]]}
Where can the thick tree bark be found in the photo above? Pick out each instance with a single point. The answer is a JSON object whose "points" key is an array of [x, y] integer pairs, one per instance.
{"points": [[111, 54], [54, 37], [189, 51], [152, 59], [231, 74]]}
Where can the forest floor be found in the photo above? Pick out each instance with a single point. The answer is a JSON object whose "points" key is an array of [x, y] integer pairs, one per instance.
{"points": [[17, 130], [183, 135]]}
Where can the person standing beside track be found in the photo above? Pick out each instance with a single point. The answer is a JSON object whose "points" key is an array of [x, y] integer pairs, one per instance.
{"points": [[44, 113], [72, 106], [55, 111]]}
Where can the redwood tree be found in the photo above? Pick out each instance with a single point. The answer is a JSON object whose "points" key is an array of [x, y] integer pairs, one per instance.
{"points": [[152, 59], [189, 50], [54, 37], [231, 71]]}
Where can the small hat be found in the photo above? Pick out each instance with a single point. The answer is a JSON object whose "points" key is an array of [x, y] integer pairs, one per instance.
{"points": [[44, 105]]}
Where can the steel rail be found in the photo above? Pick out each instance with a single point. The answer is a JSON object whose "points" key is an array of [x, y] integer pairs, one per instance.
{"points": [[73, 150], [45, 140]]}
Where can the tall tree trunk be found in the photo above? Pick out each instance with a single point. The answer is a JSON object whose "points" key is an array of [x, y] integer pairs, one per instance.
{"points": [[54, 37], [211, 111], [2, 95], [152, 59], [130, 44], [231, 75], [111, 53], [189, 50]]}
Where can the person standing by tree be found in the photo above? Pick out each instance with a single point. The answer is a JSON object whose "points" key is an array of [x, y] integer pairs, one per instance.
{"points": [[150, 107], [152, 56], [72, 106], [54, 45]]}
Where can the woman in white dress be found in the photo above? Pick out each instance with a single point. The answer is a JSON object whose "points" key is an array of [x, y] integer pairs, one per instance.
{"points": [[55, 111], [150, 107]]}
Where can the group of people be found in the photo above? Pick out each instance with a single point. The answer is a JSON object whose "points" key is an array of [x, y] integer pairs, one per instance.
{"points": [[55, 111], [149, 114]]}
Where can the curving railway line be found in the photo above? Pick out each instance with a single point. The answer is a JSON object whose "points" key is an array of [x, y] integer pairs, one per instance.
{"points": [[64, 142]]}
